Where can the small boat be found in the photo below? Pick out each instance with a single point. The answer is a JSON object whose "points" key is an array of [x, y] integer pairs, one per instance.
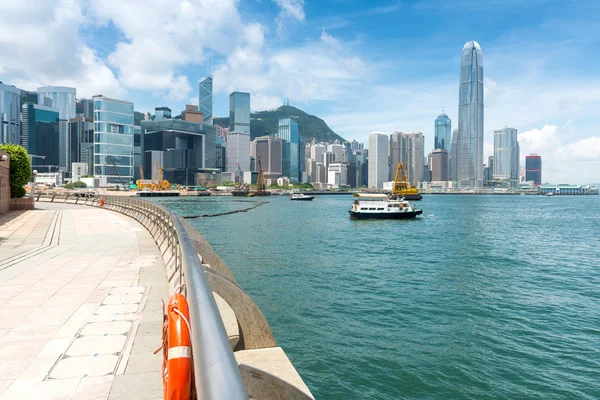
{"points": [[203, 193], [549, 194], [380, 206], [301, 197]]}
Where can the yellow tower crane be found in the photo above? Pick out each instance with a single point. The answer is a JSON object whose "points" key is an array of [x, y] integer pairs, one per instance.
{"points": [[402, 189]]}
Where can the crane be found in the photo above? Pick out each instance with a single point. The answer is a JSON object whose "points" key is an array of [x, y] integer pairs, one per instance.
{"points": [[402, 189]]}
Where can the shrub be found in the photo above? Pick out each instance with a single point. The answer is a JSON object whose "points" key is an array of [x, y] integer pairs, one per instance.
{"points": [[76, 185], [20, 168]]}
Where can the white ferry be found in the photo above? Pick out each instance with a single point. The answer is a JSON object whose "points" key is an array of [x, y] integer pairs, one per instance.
{"points": [[301, 197], [372, 205]]}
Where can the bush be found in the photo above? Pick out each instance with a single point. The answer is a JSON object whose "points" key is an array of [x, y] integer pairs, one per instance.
{"points": [[76, 185], [20, 168]]}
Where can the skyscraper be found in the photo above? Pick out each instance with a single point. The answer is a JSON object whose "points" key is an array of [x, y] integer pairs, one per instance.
{"points": [[443, 127], [453, 158], [238, 151], [162, 113], [506, 156], [10, 114], [205, 90], [113, 140], [64, 100], [470, 117], [439, 165], [398, 152], [416, 158], [239, 112], [378, 159], [268, 150], [40, 129], [533, 169], [288, 132]]}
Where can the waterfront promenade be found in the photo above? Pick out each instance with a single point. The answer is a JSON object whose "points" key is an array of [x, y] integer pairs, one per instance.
{"points": [[80, 291]]}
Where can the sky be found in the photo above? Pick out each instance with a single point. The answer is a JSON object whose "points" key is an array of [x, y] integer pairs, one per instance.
{"points": [[362, 66]]}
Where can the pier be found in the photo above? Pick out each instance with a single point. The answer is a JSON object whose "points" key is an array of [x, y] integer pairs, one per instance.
{"points": [[81, 288]]}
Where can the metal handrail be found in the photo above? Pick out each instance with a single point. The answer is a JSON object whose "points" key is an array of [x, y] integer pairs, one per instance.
{"points": [[217, 374]]}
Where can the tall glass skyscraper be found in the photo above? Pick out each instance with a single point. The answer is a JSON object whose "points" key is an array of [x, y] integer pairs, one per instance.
{"points": [[398, 152], [64, 100], [40, 136], [10, 114], [443, 127], [113, 140], [205, 90], [378, 160], [239, 112], [288, 132], [470, 117], [506, 156]]}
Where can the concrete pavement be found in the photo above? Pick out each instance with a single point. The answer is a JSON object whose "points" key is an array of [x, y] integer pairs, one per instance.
{"points": [[80, 291]]}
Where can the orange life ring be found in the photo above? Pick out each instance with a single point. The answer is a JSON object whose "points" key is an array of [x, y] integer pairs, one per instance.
{"points": [[179, 352], [101, 201]]}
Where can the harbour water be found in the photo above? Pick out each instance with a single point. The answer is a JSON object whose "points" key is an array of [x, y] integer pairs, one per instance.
{"points": [[484, 297]]}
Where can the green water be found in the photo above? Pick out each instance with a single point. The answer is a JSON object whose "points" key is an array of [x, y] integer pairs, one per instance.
{"points": [[485, 297]]}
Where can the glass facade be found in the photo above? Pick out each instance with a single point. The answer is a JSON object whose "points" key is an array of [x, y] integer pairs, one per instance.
{"points": [[41, 136], [470, 118], [60, 97], [533, 169], [239, 112], [10, 114], [506, 156], [162, 113], [443, 128], [378, 169], [398, 152], [113, 141], [137, 152], [81, 131], [205, 90], [288, 132]]}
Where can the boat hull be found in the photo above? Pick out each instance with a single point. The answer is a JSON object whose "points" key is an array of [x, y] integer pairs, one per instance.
{"points": [[413, 196], [385, 215], [308, 198]]}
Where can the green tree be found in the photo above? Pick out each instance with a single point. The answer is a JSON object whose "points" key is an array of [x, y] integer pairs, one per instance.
{"points": [[20, 168], [76, 185]]}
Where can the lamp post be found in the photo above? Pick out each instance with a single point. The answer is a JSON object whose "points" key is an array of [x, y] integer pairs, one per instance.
{"points": [[34, 173]]}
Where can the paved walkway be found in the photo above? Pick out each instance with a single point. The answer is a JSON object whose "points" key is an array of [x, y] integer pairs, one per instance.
{"points": [[80, 292]]}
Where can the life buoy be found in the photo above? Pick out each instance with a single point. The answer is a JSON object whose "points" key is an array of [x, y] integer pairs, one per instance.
{"points": [[101, 201], [179, 352]]}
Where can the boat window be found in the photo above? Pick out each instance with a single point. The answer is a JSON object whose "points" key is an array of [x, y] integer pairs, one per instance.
{"points": [[379, 209], [371, 209]]}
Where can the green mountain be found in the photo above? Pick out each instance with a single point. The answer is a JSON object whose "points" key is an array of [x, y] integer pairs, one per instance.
{"points": [[267, 122]]}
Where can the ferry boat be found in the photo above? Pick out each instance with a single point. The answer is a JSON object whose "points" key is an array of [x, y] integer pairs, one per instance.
{"points": [[380, 206], [301, 197]]}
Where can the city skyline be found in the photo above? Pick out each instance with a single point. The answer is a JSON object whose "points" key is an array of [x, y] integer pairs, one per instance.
{"points": [[292, 50]]}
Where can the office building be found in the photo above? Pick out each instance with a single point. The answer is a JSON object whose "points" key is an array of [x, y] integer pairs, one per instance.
{"points": [[81, 132], [137, 152], [191, 114], [321, 173], [470, 118], [533, 169], [506, 156], [85, 108], [238, 151], [10, 114], [337, 175], [378, 160], [221, 132], [180, 148], [488, 170], [317, 151], [239, 112], [64, 100], [205, 90], [453, 169], [40, 136], [443, 128], [354, 145], [162, 113], [302, 159], [113, 141], [398, 152], [269, 151], [439, 165], [288, 132], [221, 154], [338, 152], [416, 158]]}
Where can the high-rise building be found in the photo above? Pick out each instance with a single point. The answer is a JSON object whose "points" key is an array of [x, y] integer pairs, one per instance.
{"points": [[302, 159], [238, 151], [354, 145], [137, 152], [10, 114], [337, 150], [81, 131], [506, 156], [533, 169], [337, 174], [269, 150], [470, 117], [180, 148], [398, 152], [317, 151], [439, 165], [443, 127], [453, 159], [85, 108], [113, 140], [378, 160], [162, 113], [416, 158], [488, 171], [239, 112], [288, 132], [205, 90], [40, 136], [64, 100]]}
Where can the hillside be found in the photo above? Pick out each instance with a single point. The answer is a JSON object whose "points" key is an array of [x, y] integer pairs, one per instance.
{"points": [[266, 123]]}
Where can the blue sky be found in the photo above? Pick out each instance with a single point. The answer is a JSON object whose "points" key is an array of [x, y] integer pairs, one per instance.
{"points": [[362, 66]]}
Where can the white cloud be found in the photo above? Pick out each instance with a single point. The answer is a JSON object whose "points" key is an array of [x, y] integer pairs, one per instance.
{"points": [[40, 45], [290, 10]]}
